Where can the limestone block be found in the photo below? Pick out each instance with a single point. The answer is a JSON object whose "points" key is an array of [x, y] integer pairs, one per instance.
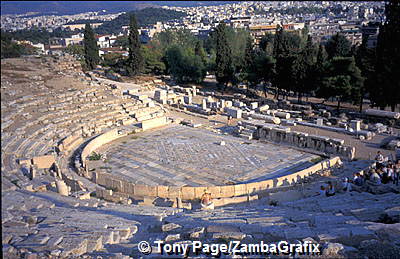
{"points": [[234, 112], [198, 191], [172, 237], [380, 113], [153, 123], [128, 122], [43, 162], [240, 189], [263, 108], [174, 192], [62, 188], [355, 125], [197, 232], [188, 193], [152, 191], [284, 115], [333, 249], [214, 190], [141, 190], [267, 184], [187, 99], [204, 104], [253, 187], [266, 118], [228, 104], [254, 105], [162, 191], [170, 227], [229, 235], [227, 191]]}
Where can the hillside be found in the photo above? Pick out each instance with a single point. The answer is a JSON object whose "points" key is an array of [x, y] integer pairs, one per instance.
{"points": [[74, 7], [144, 17]]}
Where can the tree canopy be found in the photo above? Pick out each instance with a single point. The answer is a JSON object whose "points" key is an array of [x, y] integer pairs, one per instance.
{"points": [[386, 90], [91, 50], [135, 58]]}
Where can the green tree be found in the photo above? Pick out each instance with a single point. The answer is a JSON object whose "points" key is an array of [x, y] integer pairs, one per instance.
{"points": [[153, 60], [224, 68], [199, 51], [111, 59], [92, 58], [303, 68], [365, 60], [184, 66], [343, 80], [261, 70], [286, 49], [122, 41], [135, 59], [338, 46], [77, 50], [387, 80], [319, 69], [267, 43]]}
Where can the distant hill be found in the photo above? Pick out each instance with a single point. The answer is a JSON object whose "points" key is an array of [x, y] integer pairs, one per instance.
{"points": [[74, 7], [144, 17]]}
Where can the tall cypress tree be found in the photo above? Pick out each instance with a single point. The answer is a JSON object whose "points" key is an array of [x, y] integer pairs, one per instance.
{"points": [[135, 58], [224, 67], [92, 58], [387, 66]]}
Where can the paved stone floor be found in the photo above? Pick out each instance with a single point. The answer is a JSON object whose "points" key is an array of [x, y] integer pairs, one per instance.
{"points": [[179, 155]]}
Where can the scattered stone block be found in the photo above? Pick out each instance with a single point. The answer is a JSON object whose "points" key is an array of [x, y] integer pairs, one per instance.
{"points": [[172, 237], [229, 235], [197, 232], [170, 227]]}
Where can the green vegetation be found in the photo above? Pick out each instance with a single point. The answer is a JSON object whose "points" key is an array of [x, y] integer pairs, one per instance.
{"points": [[303, 10], [94, 156], [84, 21], [338, 46], [10, 49], [224, 70], [342, 80], [184, 65], [135, 58], [91, 50], [76, 50], [144, 17], [317, 160], [40, 35], [288, 62], [385, 89]]}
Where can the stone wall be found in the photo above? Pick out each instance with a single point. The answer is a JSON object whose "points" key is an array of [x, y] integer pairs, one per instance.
{"points": [[280, 134], [304, 140], [112, 182], [70, 142], [154, 123], [99, 141], [43, 162]]}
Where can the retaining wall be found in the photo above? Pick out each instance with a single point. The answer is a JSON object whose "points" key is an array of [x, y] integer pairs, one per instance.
{"points": [[111, 181], [303, 140], [99, 141]]}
